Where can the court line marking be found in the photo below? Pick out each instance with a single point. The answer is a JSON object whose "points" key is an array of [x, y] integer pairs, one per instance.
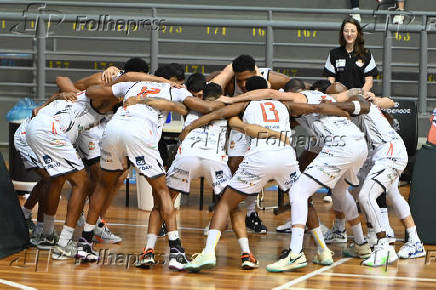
{"points": [[311, 274], [381, 277], [16, 285]]}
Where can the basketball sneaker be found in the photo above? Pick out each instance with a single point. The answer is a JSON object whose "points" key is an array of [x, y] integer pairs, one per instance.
{"points": [[248, 261], [254, 223], [177, 260], [85, 251], [358, 251], [202, 261], [334, 235], [411, 250], [163, 231], [323, 258], [146, 259], [67, 252], [47, 242], [105, 235], [285, 228], [383, 254], [291, 261], [30, 225]]}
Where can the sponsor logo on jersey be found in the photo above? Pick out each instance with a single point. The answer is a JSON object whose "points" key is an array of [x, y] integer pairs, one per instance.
{"points": [[47, 159], [232, 144], [57, 142], [140, 160], [91, 146]]}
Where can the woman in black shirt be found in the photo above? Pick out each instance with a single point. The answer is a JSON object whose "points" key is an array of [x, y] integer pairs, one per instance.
{"points": [[351, 63]]}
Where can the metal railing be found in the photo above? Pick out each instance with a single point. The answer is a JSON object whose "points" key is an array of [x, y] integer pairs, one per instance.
{"points": [[269, 23]]}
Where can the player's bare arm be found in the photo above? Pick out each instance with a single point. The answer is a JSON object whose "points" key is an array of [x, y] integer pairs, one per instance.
{"points": [[265, 94], [66, 85], [256, 131], [277, 80], [159, 104], [133, 76], [202, 106], [223, 113]]}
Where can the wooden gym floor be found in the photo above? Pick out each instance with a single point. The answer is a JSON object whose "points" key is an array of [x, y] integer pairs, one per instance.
{"points": [[21, 271]]}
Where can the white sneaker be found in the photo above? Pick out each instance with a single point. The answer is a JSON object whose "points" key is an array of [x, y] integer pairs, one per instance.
{"points": [[291, 261], [411, 250], [285, 228], [398, 19], [334, 235], [104, 235], [383, 254]]}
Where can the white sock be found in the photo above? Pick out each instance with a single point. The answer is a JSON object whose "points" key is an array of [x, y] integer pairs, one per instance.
{"points": [[212, 240], [151, 241], [48, 224], [173, 235], [413, 235], [66, 235], [87, 227], [385, 219], [27, 212], [250, 204], [358, 234], [340, 224], [318, 237], [243, 243], [296, 244]]}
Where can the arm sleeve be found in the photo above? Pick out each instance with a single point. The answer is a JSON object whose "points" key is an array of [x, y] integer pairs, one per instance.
{"points": [[371, 68], [179, 95], [329, 68], [120, 89]]}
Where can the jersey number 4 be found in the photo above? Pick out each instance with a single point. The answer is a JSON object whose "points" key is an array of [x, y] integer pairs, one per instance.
{"points": [[145, 92], [269, 114]]}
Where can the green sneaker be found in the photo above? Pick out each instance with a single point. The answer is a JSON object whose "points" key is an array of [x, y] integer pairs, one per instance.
{"points": [[202, 261], [290, 262]]}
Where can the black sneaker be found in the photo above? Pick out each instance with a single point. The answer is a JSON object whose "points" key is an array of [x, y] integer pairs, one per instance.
{"points": [[254, 223], [85, 251], [146, 259], [30, 225], [177, 260], [163, 231], [47, 242]]}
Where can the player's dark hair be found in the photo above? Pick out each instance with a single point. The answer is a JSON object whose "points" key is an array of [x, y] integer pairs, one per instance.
{"points": [[165, 71], [136, 64], [320, 85], [212, 91], [244, 62], [195, 82], [294, 85], [255, 83], [179, 72]]}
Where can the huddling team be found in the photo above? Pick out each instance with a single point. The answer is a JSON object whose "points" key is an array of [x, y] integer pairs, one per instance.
{"points": [[238, 135]]}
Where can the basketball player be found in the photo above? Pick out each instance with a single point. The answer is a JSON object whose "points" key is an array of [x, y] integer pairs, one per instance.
{"points": [[233, 80], [265, 160]]}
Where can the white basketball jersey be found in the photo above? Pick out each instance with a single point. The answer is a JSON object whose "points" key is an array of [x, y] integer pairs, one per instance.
{"points": [[376, 127], [73, 117], [155, 118], [270, 114], [326, 127], [206, 142]]}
